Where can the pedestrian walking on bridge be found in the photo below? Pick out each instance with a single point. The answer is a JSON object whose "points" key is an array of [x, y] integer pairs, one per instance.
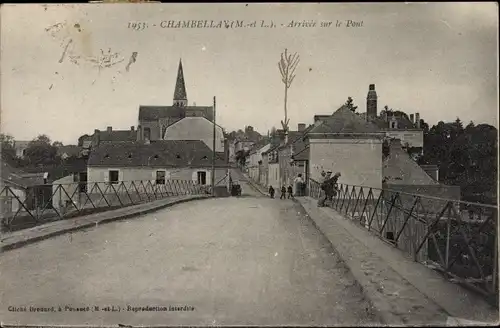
{"points": [[283, 193], [271, 191]]}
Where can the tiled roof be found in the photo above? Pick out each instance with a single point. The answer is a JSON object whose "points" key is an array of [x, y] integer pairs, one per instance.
{"points": [[69, 150], [404, 122], [117, 135], [18, 177], [345, 121], [399, 168], [154, 113], [165, 153]]}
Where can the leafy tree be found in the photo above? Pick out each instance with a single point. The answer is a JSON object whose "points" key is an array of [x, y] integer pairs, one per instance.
{"points": [[7, 148], [57, 144], [41, 152], [467, 157], [350, 104]]}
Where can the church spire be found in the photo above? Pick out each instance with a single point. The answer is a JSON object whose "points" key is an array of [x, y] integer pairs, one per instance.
{"points": [[180, 95]]}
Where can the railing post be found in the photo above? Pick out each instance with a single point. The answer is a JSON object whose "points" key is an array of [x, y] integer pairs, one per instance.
{"points": [[448, 228]]}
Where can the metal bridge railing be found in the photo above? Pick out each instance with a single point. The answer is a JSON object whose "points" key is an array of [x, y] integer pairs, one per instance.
{"points": [[26, 207], [457, 238]]}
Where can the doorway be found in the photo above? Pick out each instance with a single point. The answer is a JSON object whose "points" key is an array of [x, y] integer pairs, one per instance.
{"points": [[202, 177]]}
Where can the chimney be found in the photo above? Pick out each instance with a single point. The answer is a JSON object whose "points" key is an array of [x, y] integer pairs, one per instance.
{"points": [[109, 129], [371, 102], [301, 127], [417, 120], [139, 133], [412, 118], [132, 128], [96, 140]]}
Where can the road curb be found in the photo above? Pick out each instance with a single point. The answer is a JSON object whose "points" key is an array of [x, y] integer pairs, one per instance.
{"points": [[83, 226], [254, 185], [370, 280], [385, 317]]}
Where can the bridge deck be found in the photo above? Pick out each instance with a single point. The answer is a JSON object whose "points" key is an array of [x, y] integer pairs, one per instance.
{"points": [[236, 261]]}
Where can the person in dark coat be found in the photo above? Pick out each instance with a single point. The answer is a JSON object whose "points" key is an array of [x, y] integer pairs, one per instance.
{"points": [[325, 177], [271, 191], [331, 186], [283, 193], [290, 192]]}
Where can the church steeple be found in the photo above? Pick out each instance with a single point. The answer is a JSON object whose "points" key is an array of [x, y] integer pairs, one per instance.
{"points": [[180, 95]]}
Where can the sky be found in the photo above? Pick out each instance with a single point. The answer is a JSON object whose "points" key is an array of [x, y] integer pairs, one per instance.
{"points": [[437, 59]]}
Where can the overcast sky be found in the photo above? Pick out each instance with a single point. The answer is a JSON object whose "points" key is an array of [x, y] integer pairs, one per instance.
{"points": [[438, 59]]}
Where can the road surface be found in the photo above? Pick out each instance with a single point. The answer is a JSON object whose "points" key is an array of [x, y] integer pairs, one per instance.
{"points": [[232, 261]]}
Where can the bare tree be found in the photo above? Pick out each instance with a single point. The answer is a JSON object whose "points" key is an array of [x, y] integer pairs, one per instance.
{"points": [[287, 66]]}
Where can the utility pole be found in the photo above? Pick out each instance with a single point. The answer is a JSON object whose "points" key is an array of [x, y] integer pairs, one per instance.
{"points": [[213, 155]]}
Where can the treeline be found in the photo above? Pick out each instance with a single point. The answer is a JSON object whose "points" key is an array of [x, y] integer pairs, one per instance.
{"points": [[466, 156], [41, 151]]}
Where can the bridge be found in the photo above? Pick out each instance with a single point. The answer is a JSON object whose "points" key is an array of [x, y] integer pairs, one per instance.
{"points": [[247, 260]]}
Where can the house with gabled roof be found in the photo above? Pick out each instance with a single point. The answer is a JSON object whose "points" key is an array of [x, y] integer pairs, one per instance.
{"points": [[155, 161], [344, 142], [395, 124], [20, 190], [255, 160]]}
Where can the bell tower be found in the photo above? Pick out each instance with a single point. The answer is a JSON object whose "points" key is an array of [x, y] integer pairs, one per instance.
{"points": [[180, 95]]}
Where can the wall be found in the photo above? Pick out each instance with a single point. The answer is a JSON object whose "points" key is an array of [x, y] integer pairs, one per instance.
{"points": [[232, 152], [155, 129], [414, 138], [9, 205], [62, 189], [196, 128], [358, 160], [264, 172], [100, 174], [274, 176]]}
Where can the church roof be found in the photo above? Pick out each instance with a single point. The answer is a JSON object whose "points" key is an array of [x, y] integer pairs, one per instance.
{"points": [[160, 153], [154, 113], [180, 87]]}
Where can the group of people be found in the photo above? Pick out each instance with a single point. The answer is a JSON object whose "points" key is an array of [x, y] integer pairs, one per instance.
{"points": [[329, 187], [299, 188]]}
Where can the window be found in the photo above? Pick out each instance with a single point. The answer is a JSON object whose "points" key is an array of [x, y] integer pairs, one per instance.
{"points": [[147, 133], [113, 176], [160, 177], [202, 178]]}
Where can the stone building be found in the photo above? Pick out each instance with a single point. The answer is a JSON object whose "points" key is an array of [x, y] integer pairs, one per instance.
{"points": [[154, 120]]}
